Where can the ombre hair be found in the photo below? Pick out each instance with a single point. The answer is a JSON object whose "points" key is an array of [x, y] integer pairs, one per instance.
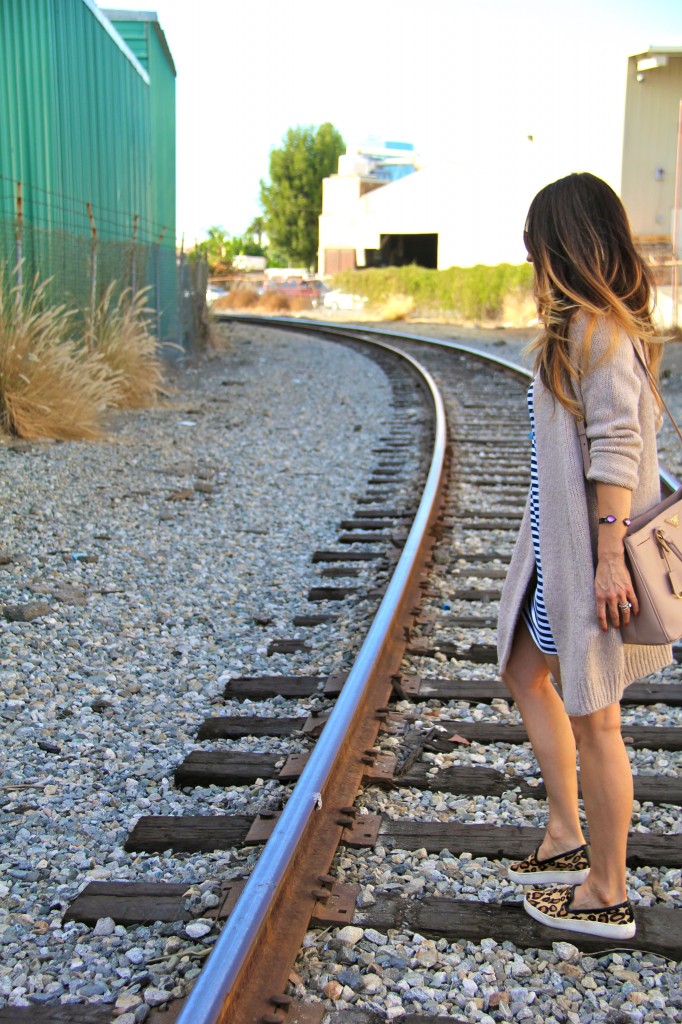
{"points": [[579, 241]]}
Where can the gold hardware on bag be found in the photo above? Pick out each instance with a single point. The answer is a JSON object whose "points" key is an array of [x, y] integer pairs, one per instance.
{"points": [[666, 549], [674, 521]]}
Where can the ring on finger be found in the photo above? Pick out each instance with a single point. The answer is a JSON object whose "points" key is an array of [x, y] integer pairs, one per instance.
{"points": [[625, 607]]}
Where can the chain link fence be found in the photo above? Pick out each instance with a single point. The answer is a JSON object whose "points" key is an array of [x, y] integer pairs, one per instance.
{"points": [[81, 250]]}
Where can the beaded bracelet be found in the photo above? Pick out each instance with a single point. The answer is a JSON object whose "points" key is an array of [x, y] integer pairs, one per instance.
{"points": [[612, 519]]}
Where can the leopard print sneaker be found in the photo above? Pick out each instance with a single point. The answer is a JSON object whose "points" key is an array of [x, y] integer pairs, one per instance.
{"points": [[553, 908], [572, 866]]}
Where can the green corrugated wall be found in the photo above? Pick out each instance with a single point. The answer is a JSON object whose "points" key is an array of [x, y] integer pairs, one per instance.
{"points": [[143, 38], [81, 119]]}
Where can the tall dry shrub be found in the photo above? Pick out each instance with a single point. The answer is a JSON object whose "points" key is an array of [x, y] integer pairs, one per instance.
{"points": [[237, 298], [274, 302], [119, 333], [50, 386]]}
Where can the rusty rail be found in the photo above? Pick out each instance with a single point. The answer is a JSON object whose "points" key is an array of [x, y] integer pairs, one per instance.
{"points": [[244, 978]]}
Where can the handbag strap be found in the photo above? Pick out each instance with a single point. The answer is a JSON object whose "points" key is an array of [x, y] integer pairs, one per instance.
{"points": [[655, 388], [582, 433]]}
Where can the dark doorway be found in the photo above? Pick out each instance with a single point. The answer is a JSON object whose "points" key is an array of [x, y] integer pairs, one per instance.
{"points": [[400, 250]]}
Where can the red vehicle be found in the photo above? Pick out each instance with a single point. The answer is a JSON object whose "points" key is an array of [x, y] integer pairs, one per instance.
{"points": [[295, 287]]}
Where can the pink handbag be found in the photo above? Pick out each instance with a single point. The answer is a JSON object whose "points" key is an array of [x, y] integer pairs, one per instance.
{"points": [[653, 549], [653, 546]]}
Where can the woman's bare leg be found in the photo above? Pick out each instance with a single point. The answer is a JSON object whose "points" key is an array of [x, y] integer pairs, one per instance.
{"points": [[606, 779], [549, 730]]}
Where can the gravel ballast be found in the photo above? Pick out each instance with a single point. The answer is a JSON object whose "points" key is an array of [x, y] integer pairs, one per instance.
{"points": [[160, 568], [159, 563]]}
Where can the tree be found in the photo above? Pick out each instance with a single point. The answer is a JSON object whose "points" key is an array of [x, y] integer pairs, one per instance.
{"points": [[293, 200], [217, 250], [220, 249], [256, 229]]}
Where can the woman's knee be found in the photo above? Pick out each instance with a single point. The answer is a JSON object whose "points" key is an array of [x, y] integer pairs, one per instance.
{"points": [[600, 727], [526, 669], [525, 680]]}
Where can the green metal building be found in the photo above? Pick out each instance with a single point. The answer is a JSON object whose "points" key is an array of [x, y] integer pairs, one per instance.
{"points": [[87, 152]]}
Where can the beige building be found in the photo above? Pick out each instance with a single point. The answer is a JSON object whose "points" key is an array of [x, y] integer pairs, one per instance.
{"points": [[650, 143]]}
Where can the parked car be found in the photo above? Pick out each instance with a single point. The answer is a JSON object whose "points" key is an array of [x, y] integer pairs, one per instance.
{"points": [[308, 291], [213, 293], [343, 300], [320, 289]]}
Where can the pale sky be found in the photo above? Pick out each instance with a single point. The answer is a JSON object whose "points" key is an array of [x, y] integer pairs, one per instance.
{"points": [[463, 80]]}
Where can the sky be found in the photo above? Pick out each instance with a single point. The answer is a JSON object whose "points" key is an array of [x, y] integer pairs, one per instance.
{"points": [[462, 81]]}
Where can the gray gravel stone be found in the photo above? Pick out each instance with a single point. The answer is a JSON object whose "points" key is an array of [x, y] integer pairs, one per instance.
{"points": [[147, 608]]}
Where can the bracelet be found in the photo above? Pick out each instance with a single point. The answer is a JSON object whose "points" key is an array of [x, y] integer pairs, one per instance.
{"points": [[612, 519]]}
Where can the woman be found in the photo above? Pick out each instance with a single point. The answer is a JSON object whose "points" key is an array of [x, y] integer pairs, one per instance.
{"points": [[568, 590]]}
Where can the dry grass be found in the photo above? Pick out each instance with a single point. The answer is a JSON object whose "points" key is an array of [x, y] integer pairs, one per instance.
{"points": [[237, 298], [50, 387], [297, 303], [119, 334], [274, 302], [398, 307]]}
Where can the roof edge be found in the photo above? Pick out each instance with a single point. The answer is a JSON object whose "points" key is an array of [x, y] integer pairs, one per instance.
{"points": [[113, 34], [653, 51], [116, 14]]}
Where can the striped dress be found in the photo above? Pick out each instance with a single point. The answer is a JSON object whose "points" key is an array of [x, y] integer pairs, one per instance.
{"points": [[534, 611]]}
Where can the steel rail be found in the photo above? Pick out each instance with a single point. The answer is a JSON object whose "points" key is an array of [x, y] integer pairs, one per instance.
{"points": [[669, 481], [215, 996]]}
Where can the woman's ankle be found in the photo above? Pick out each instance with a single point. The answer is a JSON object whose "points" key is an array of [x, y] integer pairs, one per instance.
{"points": [[559, 840], [593, 893]]}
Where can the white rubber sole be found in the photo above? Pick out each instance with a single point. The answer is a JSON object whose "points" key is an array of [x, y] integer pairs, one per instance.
{"points": [[598, 928], [548, 877]]}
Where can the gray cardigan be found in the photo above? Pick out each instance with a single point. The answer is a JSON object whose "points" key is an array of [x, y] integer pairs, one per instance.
{"points": [[621, 419]]}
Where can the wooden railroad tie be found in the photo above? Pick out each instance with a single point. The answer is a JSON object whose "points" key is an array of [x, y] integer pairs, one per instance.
{"points": [[346, 556], [422, 688], [331, 593], [69, 1013], [659, 929], [452, 732], [205, 832], [339, 571], [295, 645], [227, 768]]}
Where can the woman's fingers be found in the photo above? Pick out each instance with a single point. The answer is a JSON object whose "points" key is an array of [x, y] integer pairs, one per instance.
{"points": [[624, 609], [616, 609], [601, 613], [632, 598], [616, 598]]}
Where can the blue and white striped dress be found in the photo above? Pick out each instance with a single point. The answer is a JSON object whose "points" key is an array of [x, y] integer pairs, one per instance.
{"points": [[534, 611]]}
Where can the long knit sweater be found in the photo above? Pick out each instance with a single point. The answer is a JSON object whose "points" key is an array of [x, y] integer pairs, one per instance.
{"points": [[621, 419]]}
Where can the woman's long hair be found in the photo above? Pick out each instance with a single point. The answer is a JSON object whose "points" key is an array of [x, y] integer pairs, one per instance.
{"points": [[579, 240]]}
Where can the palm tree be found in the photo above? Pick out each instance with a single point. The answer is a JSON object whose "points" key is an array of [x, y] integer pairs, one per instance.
{"points": [[257, 228]]}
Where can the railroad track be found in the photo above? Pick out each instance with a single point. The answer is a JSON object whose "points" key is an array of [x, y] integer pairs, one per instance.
{"points": [[397, 723]]}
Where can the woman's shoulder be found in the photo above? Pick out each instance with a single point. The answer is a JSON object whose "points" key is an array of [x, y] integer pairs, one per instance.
{"points": [[584, 325], [594, 338]]}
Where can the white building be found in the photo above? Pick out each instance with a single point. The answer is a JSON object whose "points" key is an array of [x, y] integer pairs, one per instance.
{"points": [[458, 213], [472, 210]]}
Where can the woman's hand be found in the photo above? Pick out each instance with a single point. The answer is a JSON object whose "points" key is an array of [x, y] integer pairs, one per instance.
{"points": [[616, 599], [613, 589]]}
